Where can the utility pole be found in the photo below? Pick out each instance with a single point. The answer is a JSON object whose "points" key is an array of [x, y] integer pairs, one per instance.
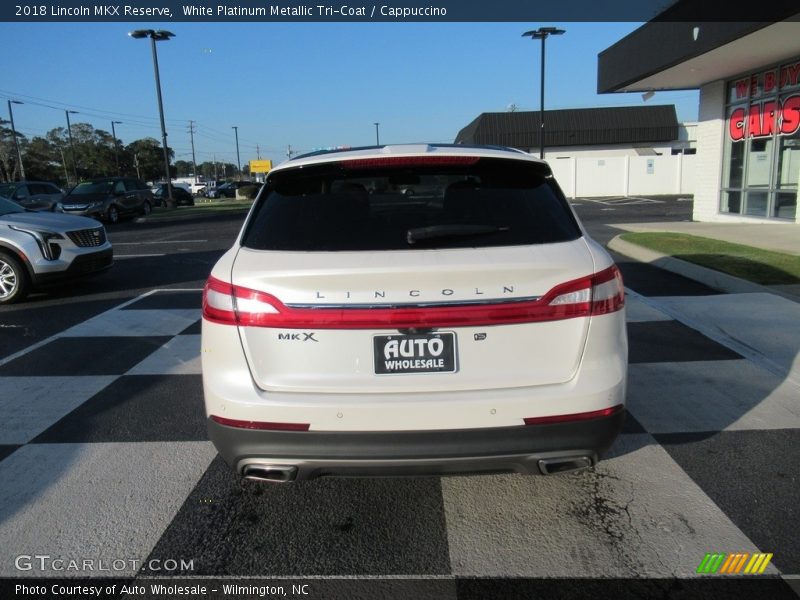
{"points": [[136, 164], [258, 152], [194, 161], [214, 157], [64, 164], [377, 134], [71, 145], [238, 160], [290, 152], [114, 135], [16, 142]]}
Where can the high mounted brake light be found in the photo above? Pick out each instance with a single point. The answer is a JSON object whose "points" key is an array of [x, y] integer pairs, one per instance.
{"points": [[409, 161], [596, 294]]}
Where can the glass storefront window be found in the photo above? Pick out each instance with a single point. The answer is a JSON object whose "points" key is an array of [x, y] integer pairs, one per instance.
{"points": [[759, 173], [785, 205], [756, 204], [761, 155], [731, 202]]}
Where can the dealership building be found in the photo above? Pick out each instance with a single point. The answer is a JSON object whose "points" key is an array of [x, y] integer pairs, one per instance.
{"points": [[747, 167]]}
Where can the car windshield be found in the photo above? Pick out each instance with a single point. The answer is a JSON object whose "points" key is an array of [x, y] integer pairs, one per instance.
{"points": [[7, 189], [8, 207], [92, 187], [384, 205]]}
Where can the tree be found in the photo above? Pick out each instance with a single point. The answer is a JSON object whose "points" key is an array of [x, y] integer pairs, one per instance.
{"points": [[184, 168], [9, 165], [147, 159]]}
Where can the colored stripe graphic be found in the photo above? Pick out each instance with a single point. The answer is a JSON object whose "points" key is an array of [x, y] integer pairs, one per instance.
{"points": [[734, 563]]}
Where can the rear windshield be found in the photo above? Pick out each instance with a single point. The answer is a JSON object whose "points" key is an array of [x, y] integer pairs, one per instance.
{"points": [[369, 205]]}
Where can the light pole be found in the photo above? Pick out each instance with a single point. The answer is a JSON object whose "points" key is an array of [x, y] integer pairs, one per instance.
{"points": [[159, 36], [238, 161], [71, 145], [114, 135], [542, 34], [16, 142], [377, 134]]}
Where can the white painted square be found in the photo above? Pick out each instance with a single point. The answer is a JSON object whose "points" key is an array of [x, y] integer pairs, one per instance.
{"points": [[29, 405], [724, 395], [93, 501], [179, 356], [136, 323], [638, 514], [638, 311]]}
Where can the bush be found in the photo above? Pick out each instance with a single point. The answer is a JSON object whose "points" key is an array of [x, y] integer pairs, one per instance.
{"points": [[249, 191]]}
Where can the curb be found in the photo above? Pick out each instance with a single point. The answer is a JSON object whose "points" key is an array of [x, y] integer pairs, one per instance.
{"points": [[713, 279]]}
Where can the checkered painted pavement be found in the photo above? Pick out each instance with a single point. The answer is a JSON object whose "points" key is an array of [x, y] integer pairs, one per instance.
{"points": [[104, 454]]}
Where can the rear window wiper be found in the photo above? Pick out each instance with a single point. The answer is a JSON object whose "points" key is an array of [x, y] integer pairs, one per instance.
{"points": [[419, 234]]}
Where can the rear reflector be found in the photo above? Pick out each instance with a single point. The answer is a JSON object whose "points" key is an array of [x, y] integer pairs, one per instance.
{"points": [[596, 294], [584, 416], [409, 161], [260, 424]]}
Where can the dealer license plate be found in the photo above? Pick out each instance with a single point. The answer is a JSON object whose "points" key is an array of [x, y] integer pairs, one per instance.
{"points": [[415, 353]]}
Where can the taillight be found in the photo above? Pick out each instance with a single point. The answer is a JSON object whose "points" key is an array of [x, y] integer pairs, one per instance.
{"points": [[596, 294], [263, 425], [584, 416]]}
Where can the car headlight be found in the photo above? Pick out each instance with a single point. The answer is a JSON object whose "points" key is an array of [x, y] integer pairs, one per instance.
{"points": [[49, 249], [97, 204]]}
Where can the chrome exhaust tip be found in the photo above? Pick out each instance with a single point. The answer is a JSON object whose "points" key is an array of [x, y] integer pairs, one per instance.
{"points": [[551, 466], [269, 473]]}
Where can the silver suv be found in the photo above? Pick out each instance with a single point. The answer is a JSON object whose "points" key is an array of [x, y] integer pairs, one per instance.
{"points": [[39, 248]]}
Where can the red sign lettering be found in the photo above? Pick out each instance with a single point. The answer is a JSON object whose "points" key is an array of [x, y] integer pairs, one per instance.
{"points": [[736, 124], [741, 89], [769, 81], [769, 118], [789, 75], [791, 115]]}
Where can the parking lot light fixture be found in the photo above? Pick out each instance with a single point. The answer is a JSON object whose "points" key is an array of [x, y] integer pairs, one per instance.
{"points": [[14, 135], [542, 34], [377, 134], [159, 35]]}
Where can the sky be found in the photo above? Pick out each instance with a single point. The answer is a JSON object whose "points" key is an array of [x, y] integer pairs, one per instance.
{"points": [[308, 85]]}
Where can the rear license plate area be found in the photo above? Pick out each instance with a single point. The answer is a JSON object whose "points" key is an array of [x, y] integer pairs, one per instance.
{"points": [[415, 353]]}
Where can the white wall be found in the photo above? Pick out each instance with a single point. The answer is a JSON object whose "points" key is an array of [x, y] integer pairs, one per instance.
{"points": [[625, 175], [710, 137]]}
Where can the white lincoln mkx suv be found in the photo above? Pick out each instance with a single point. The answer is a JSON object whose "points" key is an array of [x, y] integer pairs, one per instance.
{"points": [[413, 310]]}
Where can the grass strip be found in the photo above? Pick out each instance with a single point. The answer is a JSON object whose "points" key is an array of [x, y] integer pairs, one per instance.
{"points": [[765, 267]]}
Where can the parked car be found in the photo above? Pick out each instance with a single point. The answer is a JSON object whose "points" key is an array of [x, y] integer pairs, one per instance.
{"points": [[358, 329], [228, 190], [175, 184], [33, 195], [180, 195], [41, 248], [109, 198], [198, 188]]}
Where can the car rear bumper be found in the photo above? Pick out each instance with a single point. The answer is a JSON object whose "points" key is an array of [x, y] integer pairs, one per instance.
{"points": [[528, 449]]}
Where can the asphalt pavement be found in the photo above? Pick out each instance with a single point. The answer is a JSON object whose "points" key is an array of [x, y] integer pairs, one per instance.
{"points": [[104, 455]]}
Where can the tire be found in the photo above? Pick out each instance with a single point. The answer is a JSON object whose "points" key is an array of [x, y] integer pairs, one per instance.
{"points": [[146, 208], [14, 283], [113, 214]]}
